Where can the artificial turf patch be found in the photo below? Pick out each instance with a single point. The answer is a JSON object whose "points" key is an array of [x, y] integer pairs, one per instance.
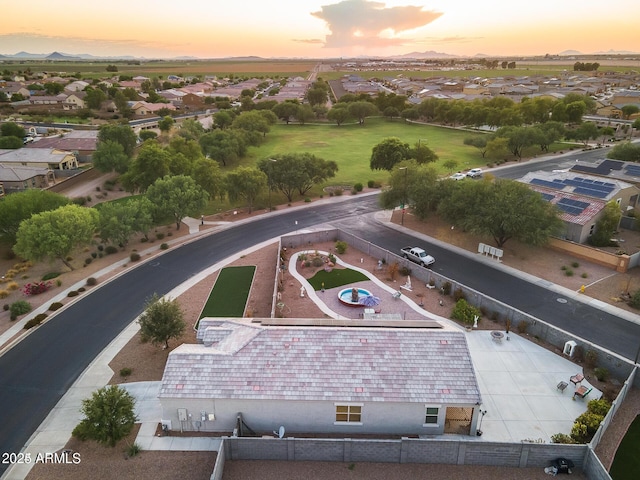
{"points": [[336, 278], [626, 463], [228, 297]]}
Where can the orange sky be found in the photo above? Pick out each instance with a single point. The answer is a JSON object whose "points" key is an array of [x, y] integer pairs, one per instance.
{"points": [[311, 28]]}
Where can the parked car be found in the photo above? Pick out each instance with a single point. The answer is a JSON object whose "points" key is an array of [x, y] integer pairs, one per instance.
{"points": [[474, 173], [417, 255], [457, 176]]}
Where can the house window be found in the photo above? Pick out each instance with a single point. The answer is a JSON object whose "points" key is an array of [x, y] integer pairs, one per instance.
{"points": [[349, 413], [592, 228], [431, 415]]}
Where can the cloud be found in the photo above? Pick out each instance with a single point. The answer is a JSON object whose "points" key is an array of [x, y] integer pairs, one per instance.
{"points": [[310, 41], [370, 23], [448, 40]]}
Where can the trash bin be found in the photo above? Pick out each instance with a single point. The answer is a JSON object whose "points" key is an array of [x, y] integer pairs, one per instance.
{"points": [[563, 465]]}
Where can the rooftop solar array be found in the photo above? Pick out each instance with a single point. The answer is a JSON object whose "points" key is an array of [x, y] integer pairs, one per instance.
{"points": [[633, 170], [572, 207], [547, 196], [584, 186], [603, 169]]}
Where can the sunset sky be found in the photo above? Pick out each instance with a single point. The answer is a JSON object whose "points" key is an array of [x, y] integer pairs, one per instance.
{"points": [[311, 28]]}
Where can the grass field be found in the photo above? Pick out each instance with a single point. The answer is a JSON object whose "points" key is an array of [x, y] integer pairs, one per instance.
{"points": [[336, 278], [228, 297], [350, 145], [626, 463]]}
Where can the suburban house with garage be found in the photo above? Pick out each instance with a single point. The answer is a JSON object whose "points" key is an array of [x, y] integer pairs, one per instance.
{"points": [[330, 380], [581, 198], [50, 158], [18, 178]]}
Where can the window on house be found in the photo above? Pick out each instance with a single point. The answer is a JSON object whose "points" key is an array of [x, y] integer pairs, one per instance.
{"points": [[592, 229], [349, 413], [431, 416]]}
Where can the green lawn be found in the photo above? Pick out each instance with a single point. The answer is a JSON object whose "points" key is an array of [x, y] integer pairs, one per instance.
{"points": [[350, 145], [228, 297], [626, 463], [336, 278]]}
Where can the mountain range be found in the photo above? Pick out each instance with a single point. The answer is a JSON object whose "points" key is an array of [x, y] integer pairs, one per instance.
{"points": [[58, 56]]}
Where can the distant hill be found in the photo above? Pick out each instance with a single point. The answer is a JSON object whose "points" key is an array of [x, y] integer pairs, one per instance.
{"points": [[425, 55], [60, 56], [568, 53]]}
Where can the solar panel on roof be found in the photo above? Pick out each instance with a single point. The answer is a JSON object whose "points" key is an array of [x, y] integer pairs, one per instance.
{"points": [[573, 203], [545, 183], [547, 196], [591, 192], [569, 209], [586, 180]]}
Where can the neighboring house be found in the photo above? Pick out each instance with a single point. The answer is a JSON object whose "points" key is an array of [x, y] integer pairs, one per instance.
{"points": [[75, 101], [581, 198], [48, 158], [146, 108], [82, 143], [76, 86], [18, 178], [321, 380]]}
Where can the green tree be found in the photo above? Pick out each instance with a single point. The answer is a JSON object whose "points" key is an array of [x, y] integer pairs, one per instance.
{"points": [[122, 104], [575, 111], [450, 165], [606, 132], [286, 111], [53, 88], [627, 152], [55, 233], [305, 114], [518, 138], [109, 416], [391, 112], [178, 194], [191, 129], [502, 209], [317, 96], [94, 98], [165, 124], [123, 134], [109, 156], [11, 143], [225, 146], [148, 135], [586, 131], [549, 133], [161, 321], [479, 142], [388, 153], [223, 119], [422, 153], [299, 172], [252, 121], [606, 225], [414, 184], [120, 220], [362, 110], [245, 182], [21, 206], [636, 124], [207, 174], [152, 163], [12, 129], [628, 110], [339, 113]]}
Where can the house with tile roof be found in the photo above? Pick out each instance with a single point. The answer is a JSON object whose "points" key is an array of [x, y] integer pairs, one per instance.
{"points": [[321, 380], [15, 178], [581, 198], [49, 158]]}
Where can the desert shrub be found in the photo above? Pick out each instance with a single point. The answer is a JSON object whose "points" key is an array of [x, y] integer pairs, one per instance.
{"points": [[307, 263], [58, 283], [80, 201], [134, 257], [338, 192], [12, 286], [164, 246], [332, 258], [635, 300], [393, 270], [88, 260], [371, 183], [599, 407], [358, 187], [94, 255], [73, 293], [36, 288], [159, 235], [307, 200], [37, 320], [465, 312], [20, 307], [568, 272], [82, 289], [110, 249], [133, 449], [522, 326], [50, 276], [317, 261], [601, 373], [405, 271], [4, 293], [125, 372], [562, 438], [446, 288], [591, 358], [575, 264], [91, 281], [341, 247], [5, 307], [458, 294], [586, 426], [100, 248], [55, 306], [584, 275]]}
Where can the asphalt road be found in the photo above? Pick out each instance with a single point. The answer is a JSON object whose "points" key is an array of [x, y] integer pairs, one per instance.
{"points": [[36, 373]]}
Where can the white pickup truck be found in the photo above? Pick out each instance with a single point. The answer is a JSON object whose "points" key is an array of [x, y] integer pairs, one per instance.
{"points": [[418, 255]]}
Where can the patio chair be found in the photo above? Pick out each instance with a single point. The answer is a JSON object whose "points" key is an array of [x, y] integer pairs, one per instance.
{"points": [[562, 385], [582, 391]]}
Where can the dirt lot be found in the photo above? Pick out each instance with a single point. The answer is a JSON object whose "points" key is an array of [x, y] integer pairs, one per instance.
{"points": [[147, 362]]}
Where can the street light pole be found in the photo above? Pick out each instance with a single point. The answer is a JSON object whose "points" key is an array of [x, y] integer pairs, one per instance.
{"points": [[404, 194]]}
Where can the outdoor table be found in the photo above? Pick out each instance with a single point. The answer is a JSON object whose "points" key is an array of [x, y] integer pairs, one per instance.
{"points": [[497, 336]]}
